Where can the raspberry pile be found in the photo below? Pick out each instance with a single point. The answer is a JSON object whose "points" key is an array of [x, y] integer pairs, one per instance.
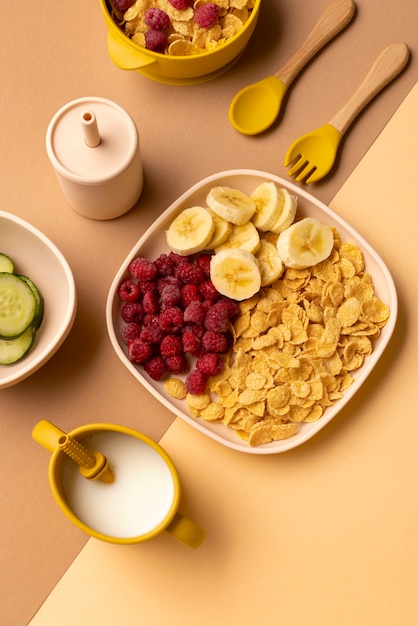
{"points": [[158, 24], [172, 313]]}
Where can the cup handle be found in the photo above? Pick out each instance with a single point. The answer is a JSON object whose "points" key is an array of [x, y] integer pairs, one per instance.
{"points": [[186, 531], [47, 435], [123, 56]]}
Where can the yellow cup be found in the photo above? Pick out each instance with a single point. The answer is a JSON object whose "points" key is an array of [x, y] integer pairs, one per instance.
{"points": [[176, 70], [140, 503]]}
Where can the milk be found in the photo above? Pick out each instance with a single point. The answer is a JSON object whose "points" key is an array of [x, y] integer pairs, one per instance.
{"points": [[138, 500]]}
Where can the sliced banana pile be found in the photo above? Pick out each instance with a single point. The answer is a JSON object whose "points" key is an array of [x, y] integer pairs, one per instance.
{"points": [[254, 238]]}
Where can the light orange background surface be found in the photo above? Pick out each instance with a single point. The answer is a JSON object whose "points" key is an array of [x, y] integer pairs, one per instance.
{"points": [[334, 521]]}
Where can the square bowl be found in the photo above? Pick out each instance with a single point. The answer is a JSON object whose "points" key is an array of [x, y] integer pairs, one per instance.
{"points": [[153, 243], [35, 256]]}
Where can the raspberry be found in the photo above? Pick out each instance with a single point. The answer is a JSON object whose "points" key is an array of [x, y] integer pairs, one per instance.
{"points": [[195, 312], [151, 319], [171, 319], [189, 273], [130, 332], [206, 16], [171, 345], [231, 305], [164, 265], [181, 4], [177, 364], [139, 351], [214, 342], [191, 343], [188, 293], [132, 312], [217, 317], [128, 291], [152, 334], [155, 367], [155, 40], [170, 295], [197, 329], [209, 364], [122, 5], [150, 303], [208, 304], [195, 382], [142, 269], [203, 261], [147, 286], [167, 280], [208, 290], [178, 258], [157, 19]]}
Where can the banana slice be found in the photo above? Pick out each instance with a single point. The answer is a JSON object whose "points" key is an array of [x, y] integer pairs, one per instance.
{"points": [[276, 207], [270, 264], [305, 243], [245, 237], [223, 230], [231, 204], [190, 231], [235, 273]]}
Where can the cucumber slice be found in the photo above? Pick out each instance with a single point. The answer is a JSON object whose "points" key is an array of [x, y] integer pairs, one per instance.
{"points": [[6, 264], [12, 350], [17, 306], [39, 314]]}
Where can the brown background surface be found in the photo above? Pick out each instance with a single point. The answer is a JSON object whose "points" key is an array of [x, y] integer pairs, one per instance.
{"points": [[53, 53]]}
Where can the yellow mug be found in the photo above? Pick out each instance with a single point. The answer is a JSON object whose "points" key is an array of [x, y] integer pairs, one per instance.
{"points": [[140, 502]]}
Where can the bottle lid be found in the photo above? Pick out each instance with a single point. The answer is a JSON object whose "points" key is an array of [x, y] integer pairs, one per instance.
{"points": [[91, 140]]}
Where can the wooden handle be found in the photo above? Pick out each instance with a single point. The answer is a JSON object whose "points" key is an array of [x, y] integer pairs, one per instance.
{"points": [[335, 17], [386, 67]]}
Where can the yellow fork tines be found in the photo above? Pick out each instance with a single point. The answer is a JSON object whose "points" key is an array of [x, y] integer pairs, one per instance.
{"points": [[302, 169], [316, 151]]}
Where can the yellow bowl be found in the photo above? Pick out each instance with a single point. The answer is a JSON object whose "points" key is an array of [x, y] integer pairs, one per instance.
{"points": [[176, 70]]}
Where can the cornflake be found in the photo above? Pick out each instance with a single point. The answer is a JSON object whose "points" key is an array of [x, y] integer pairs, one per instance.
{"points": [[176, 388], [184, 36], [296, 343]]}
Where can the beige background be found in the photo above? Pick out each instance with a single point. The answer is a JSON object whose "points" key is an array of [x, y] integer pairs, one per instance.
{"points": [[346, 543]]}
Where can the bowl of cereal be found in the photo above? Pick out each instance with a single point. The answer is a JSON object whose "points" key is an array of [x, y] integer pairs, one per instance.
{"points": [[302, 345], [178, 42], [37, 299]]}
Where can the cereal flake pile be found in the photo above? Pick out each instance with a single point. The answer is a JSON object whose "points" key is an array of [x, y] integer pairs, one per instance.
{"points": [[180, 27], [296, 343]]}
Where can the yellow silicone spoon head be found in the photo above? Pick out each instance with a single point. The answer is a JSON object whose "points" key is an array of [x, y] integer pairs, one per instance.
{"points": [[256, 107]]}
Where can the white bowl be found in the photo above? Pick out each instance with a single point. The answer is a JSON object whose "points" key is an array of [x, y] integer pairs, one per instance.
{"points": [[153, 242], [35, 256]]}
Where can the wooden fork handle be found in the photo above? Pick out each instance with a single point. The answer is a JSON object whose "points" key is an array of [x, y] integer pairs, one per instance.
{"points": [[335, 17], [387, 66]]}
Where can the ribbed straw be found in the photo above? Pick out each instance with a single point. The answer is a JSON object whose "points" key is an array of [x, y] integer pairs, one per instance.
{"points": [[93, 465], [77, 451]]}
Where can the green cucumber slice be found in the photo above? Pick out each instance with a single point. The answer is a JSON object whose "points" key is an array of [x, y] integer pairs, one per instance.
{"points": [[6, 264], [39, 314], [17, 306], [12, 350]]}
